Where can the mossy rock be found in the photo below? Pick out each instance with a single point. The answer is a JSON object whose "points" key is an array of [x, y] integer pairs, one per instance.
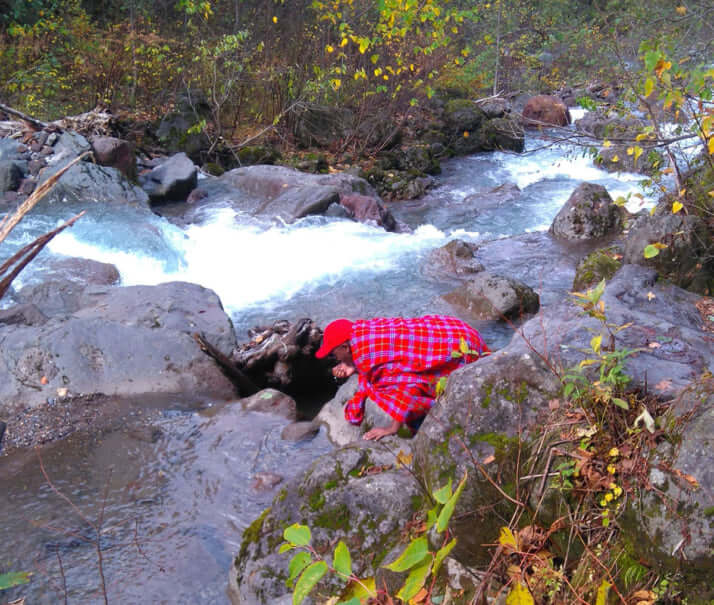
{"points": [[258, 154], [596, 266]]}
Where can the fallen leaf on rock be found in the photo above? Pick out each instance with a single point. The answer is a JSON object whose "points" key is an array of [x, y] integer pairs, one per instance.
{"points": [[654, 345], [664, 385], [488, 460], [404, 459], [688, 478], [651, 295], [44, 380], [554, 404]]}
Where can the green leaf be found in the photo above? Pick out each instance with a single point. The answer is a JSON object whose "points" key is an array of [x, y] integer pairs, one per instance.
{"points": [[431, 516], [342, 561], [442, 495], [650, 251], [298, 535], [285, 547], [621, 403], [413, 554], [602, 593], [362, 590], [448, 510], [299, 562], [14, 578], [442, 553], [649, 86], [519, 595], [311, 576], [415, 582]]}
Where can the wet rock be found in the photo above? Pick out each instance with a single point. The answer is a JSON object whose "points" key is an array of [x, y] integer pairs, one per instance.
{"points": [[494, 198], [368, 210], [300, 431], [270, 401], [10, 149], [110, 151], [264, 482], [489, 296], [172, 180], [589, 213], [545, 109], [55, 297], [616, 159], [83, 271], [455, 258]]}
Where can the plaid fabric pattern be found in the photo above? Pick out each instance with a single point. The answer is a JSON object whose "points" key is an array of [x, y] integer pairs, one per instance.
{"points": [[399, 362]]}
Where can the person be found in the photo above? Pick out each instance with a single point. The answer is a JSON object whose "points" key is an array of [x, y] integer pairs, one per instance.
{"points": [[399, 362]]}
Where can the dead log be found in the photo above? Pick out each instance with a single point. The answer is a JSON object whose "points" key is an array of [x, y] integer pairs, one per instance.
{"points": [[36, 124], [244, 384]]}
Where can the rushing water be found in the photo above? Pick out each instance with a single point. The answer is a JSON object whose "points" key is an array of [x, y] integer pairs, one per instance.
{"points": [[178, 493]]}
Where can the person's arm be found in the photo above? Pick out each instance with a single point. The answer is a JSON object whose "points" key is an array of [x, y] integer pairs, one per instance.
{"points": [[354, 408], [379, 432]]}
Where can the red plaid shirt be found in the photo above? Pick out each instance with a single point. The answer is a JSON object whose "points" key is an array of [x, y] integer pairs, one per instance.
{"points": [[399, 362]]}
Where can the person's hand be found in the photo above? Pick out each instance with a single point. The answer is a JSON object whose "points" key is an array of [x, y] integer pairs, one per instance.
{"points": [[342, 370]]}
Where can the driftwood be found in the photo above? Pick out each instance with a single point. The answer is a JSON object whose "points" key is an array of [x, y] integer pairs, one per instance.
{"points": [[280, 356], [245, 385], [37, 124]]}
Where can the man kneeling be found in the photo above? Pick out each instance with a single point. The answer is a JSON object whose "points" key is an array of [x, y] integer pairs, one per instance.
{"points": [[399, 362]]}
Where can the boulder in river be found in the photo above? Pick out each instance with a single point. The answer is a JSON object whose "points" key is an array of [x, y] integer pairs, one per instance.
{"points": [[172, 180], [271, 401], [489, 296], [589, 213], [119, 154], [546, 110]]}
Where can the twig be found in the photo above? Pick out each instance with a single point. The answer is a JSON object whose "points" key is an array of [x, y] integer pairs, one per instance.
{"points": [[64, 579]]}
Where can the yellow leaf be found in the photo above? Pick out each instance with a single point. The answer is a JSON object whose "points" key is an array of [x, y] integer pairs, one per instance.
{"points": [[602, 593], [711, 193], [329, 48], [378, 72], [506, 538], [336, 84], [676, 207], [649, 86], [606, 143], [404, 459], [343, 42], [710, 146], [615, 158], [595, 343], [519, 595], [466, 134], [681, 10], [651, 295]]}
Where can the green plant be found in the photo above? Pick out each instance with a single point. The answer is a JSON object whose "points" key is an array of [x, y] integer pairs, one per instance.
{"points": [[307, 567]]}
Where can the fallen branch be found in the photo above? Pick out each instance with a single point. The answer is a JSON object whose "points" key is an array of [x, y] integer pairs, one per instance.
{"points": [[30, 120]]}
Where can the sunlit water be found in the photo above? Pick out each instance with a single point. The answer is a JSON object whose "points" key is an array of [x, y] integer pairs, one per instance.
{"points": [[180, 502]]}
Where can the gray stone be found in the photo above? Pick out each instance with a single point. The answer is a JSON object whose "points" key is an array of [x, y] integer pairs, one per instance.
{"points": [[82, 270], [110, 151], [270, 401], [488, 296], [457, 258], [589, 213], [9, 149], [118, 341], [172, 180]]}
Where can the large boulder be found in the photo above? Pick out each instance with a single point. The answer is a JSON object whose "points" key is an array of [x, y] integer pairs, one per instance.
{"points": [[11, 173], [493, 411], [172, 180], [687, 258], [356, 494], [457, 258], [117, 341], [666, 536], [546, 110], [589, 213], [369, 210], [470, 129], [489, 296]]}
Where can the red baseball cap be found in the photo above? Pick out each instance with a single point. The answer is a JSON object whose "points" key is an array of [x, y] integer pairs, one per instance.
{"points": [[335, 334]]}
